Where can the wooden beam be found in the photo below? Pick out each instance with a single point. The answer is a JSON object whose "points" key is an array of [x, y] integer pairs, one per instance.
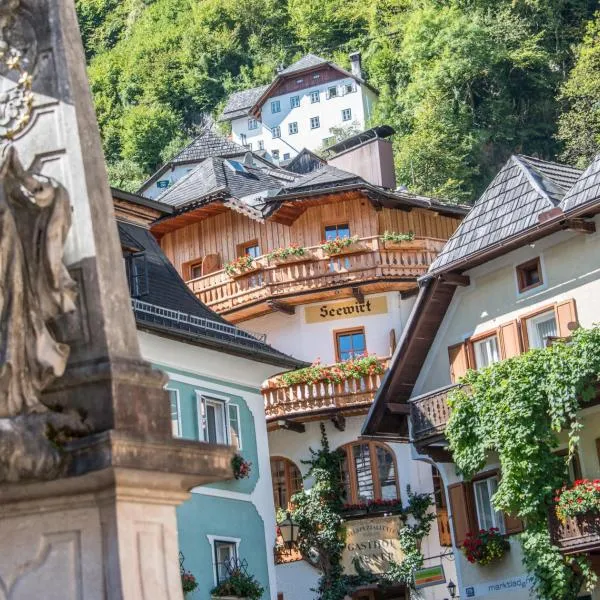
{"points": [[281, 306], [291, 425], [398, 408], [339, 422], [357, 293], [436, 453], [581, 226], [455, 279]]}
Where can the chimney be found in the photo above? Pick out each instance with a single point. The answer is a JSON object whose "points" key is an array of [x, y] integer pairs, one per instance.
{"points": [[356, 67]]}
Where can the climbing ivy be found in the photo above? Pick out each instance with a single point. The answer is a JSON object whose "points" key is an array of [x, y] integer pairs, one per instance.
{"points": [[319, 515], [515, 409]]}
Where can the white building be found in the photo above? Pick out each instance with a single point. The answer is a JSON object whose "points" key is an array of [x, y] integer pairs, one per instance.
{"points": [[300, 108]]}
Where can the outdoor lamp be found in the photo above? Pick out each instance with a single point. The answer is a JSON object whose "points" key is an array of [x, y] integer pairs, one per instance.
{"points": [[289, 531], [452, 589]]}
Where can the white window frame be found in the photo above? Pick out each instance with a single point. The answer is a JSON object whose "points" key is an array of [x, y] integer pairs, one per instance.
{"points": [[276, 132], [530, 323], [318, 122], [275, 154], [294, 101], [179, 423], [349, 88], [275, 104], [293, 127], [349, 112], [479, 344], [201, 399], [335, 94], [234, 406], [497, 520], [252, 124], [315, 97], [221, 538], [261, 145]]}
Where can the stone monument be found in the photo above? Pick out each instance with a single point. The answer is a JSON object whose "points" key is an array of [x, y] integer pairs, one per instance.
{"points": [[89, 473]]}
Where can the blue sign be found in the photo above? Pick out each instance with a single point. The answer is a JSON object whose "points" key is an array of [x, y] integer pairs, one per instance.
{"points": [[163, 183]]}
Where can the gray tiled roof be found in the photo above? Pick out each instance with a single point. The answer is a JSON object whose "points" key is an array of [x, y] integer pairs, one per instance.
{"points": [[239, 103], [208, 143], [307, 61], [522, 189], [586, 189], [324, 177]]}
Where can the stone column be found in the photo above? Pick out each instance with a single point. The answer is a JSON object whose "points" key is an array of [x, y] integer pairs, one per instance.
{"points": [[89, 472]]}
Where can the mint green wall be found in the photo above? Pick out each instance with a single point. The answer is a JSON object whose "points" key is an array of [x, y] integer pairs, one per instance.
{"points": [[206, 515]]}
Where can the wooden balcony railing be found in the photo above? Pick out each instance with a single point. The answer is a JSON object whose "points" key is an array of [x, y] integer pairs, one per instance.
{"points": [[579, 534], [374, 260], [429, 414], [306, 399]]}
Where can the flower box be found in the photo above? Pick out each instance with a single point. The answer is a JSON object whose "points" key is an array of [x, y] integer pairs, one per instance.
{"points": [[342, 246], [292, 258], [404, 245]]}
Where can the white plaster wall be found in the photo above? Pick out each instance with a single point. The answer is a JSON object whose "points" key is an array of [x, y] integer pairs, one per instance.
{"points": [[571, 269], [171, 175], [297, 580], [417, 474], [307, 341], [228, 370], [328, 110]]}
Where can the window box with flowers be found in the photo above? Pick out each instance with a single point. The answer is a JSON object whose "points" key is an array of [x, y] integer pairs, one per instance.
{"points": [[485, 546], [371, 507], [343, 245], [289, 254], [242, 266], [580, 501], [399, 241], [239, 586]]}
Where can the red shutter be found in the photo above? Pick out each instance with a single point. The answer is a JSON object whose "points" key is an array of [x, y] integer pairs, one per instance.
{"points": [[460, 498], [458, 361], [510, 343], [566, 317]]}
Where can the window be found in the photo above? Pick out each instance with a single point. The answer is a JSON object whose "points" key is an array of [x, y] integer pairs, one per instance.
{"points": [[349, 88], [332, 92], [225, 559], [299, 81], [275, 154], [235, 433], [213, 426], [541, 328], [487, 517], [196, 270], [293, 128], [261, 145], [335, 231], [243, 138], [137, 274], [486, 351], [249, 249], [175, 413], [573, 468], [275, 106], [294, 101], [350, 343], [276, 131], [315, 122], [369, 473], [287, 480], [315, 97], [529, 275], [252, 124], [286, 156], [347, 114]]}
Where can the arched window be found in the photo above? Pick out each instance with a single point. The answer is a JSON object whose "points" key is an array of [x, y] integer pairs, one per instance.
{"points": [[369, 472], [287, 480]]}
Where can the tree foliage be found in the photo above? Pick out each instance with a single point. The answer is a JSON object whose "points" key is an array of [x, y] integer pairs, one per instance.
{"points": [[464, 82], [515, 409]]}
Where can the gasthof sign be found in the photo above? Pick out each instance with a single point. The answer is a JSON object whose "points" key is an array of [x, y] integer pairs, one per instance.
{"points": [[332, 311]]}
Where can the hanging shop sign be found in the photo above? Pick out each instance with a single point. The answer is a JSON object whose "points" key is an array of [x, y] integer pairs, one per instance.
{"points": [[347, 309], [373, 543], [521, 584], [429, 576]]}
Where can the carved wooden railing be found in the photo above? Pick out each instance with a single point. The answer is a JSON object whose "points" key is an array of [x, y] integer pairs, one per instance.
{"points": [[579, 534], [321, 396], [374, 260], [444, 527], [429, 414]]}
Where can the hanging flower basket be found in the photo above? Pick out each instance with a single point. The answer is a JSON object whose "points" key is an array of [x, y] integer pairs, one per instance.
{"points": [[241, 467], [341, 246], [291, 254], [485, 546], [242, 266]]}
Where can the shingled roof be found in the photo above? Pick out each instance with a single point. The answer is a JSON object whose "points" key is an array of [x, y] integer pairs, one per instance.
{"points": [[522, 189], [586, 189], [239, 103], [172, 309], [208, 143], [325, 176], [306, 62]]}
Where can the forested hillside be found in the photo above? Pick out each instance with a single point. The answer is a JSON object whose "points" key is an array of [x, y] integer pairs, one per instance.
{"points": [[464, 82]]}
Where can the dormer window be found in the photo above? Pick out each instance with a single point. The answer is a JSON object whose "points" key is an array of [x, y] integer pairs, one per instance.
{"points": [[136, 267], [529, 275]]}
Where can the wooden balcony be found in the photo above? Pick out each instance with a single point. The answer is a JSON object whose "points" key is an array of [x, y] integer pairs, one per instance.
{"points": [[429, 415], [577, 535], [373, 265], [310, 401]]}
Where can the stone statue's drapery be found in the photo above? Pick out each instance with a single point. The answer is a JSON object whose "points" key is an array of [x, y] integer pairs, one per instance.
{"points": [[35, 286]]}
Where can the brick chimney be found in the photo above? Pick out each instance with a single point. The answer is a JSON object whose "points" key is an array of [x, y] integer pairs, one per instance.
{"points": [[356, 67]]}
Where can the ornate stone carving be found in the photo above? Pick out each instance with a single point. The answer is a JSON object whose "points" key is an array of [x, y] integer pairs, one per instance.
{"points": [[35, 289]]}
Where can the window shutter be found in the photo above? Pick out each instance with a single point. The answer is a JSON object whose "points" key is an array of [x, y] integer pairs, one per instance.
{"points": [[460, 498], [458, 361], [513, 524], [566, 317], [510, 344], [210, 264]]}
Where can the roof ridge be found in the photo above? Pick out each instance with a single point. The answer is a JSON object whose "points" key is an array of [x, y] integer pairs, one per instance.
{"points": [[527, 169]]}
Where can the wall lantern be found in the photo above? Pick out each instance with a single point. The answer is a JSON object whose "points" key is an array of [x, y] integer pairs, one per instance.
{"points": [[289, 531], [452, 589]]}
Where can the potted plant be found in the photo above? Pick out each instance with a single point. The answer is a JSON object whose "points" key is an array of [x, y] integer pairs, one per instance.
{"points": [[342, 245], [485, 546], [241, 467], [188, 581], [239, 586], [396, 241], [291, 253], [242, 265], [582, 499]]}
